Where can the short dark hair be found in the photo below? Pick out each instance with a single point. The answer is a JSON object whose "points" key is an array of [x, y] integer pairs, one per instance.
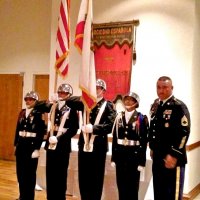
{"points": [[164, 78]]}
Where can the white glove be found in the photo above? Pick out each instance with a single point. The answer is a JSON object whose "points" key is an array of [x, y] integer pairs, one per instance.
{"points": [[88, 128], [35, 154], [53, 140], [54, 98], [140, 168], [113, 164]]}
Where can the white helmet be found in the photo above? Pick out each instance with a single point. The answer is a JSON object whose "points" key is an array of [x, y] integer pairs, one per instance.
{"points": [[67, 88], [101, 83], [134, 95], [32, 95]]}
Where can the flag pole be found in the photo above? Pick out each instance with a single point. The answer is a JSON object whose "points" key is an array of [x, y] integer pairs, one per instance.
{"points": [[55, 81]]}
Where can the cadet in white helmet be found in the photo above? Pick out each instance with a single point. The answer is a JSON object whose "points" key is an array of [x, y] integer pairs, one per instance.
{"points": [[29, 135], [93, 146], [64, 125], [129, 145]]}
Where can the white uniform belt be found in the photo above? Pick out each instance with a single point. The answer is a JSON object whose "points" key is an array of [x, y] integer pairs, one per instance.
{"points": [[127, 142], [27, 134]]}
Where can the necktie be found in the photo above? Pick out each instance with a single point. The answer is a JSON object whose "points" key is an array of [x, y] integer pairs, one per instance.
{"points": [[161, 103]]}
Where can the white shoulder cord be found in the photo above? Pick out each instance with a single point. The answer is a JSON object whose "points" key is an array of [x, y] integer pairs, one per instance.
{"points": [[116, 122]]}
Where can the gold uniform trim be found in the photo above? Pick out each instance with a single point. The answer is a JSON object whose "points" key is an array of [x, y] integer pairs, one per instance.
{"points": [[182, 142], [178, 171]]}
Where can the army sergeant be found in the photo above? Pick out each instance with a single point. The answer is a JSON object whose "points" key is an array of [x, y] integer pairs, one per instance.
{"points": [[169, 132]]}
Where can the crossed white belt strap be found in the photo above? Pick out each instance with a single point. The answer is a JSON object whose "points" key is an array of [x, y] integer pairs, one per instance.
{"points": [[89, 143], [61, 128]]}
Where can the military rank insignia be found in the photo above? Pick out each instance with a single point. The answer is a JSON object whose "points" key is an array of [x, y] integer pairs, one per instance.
{"points": [[184, 121]]}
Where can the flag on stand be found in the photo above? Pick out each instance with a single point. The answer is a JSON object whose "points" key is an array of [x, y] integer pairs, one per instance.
{"points": [[63, 39], [87, 78], [81, 25]]}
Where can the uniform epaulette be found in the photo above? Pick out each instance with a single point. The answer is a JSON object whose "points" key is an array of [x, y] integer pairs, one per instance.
{"points": [[156, 101], [177, 101]]}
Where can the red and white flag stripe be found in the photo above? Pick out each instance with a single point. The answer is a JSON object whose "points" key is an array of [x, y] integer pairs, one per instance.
{"points": [[63, 39], [87, 78], [81, 25]]}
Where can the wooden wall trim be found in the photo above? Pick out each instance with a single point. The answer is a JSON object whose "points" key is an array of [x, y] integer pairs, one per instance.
{"points": [[193, 146], [192, 194]]}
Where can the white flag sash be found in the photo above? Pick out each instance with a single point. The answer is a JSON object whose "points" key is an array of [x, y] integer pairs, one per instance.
{"points": [[61, 129], [88, 146]]}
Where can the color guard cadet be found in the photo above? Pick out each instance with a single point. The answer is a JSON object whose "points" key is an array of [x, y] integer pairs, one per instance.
{"points": [[29, 135], [63, 126], [130, 132], [93, 146], [169, 132]]}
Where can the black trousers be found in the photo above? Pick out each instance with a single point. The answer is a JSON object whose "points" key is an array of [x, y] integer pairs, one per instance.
{"points": [[128, 178], [56, 174], [91, 168], [167, 183], [26, 168]]}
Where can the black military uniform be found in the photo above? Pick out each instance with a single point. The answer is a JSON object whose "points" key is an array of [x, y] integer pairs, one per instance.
{"points": [[129, 152], [169, 132], [91, 164], [64, 125], [29, 135]]}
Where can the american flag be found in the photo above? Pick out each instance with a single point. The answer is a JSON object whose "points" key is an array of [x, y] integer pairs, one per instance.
{"points": [[63, 39], [87, 78]]}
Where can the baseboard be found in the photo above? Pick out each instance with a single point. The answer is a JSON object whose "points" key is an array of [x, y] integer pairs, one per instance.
{"points": [[192, 194]]}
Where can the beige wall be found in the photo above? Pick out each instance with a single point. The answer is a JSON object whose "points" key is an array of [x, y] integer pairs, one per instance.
{"points": [[25, 38], [167, 44]]}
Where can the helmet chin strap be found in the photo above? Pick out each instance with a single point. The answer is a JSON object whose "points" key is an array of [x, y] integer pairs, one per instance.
{"points": [[63, 99], [129, 107], [99, 96], [30, 106]]}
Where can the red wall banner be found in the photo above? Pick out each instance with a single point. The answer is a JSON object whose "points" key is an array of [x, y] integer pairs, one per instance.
{"points": [[113, 50]]}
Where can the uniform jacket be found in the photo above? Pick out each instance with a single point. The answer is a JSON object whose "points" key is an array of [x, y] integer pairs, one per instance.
{"points": [[102, 129], [32, 123], [169, 129], [136, 130], [70, 128]]}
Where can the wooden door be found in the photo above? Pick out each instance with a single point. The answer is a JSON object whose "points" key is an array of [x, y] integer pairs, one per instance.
{"points": [[42, 86], [11, 87]]}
